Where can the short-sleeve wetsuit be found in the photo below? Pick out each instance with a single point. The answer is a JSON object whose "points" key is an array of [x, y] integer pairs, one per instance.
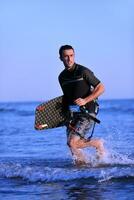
{"points": [[78, 83]]}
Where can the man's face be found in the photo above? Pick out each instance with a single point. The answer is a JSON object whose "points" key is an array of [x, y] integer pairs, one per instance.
{"points": [[68, 58]]}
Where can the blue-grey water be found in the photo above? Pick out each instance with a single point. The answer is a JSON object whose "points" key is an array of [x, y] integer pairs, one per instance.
{"points": [[38, 164]]}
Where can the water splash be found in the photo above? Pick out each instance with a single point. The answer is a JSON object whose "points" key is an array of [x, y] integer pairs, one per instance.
{"points": [[114, 166], [111, 158]]}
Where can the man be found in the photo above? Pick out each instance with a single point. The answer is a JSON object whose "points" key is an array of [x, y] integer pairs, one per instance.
{"points": [[80, 87]]}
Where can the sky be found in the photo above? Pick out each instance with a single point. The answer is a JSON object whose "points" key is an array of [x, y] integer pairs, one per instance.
{"points": [[32, 31]]}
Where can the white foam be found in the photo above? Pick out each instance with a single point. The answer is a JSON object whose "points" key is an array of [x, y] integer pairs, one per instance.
{"points": [[113, 165], [111, 158]]}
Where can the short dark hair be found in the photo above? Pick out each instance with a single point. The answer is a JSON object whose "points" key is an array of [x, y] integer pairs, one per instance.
{"points": [[64, 47]]}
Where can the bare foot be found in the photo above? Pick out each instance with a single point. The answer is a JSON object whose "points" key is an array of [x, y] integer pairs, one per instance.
{"points": [[79, 162]]}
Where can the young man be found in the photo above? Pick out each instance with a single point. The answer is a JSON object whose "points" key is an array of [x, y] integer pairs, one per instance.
{"points": [[80, 87]]}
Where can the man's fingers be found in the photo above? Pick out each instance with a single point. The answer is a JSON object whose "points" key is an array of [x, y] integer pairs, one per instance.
{"points": [[80, 102]]}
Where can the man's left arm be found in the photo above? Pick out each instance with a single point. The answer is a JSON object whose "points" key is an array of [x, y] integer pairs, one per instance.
{"points": [[98, 90]]}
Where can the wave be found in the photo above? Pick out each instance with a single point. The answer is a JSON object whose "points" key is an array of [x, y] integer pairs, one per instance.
{"points": [[118, 110], [17, 111], [121, 106], [22, 109], [7, 110], [47, 174], [100, 172], [25, 113]]}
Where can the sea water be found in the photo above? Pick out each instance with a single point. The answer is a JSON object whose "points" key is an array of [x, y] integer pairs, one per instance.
{"points": [[38, 164]]}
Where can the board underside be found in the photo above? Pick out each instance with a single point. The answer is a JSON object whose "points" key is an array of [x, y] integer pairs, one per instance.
{"points": [[50, 114]]}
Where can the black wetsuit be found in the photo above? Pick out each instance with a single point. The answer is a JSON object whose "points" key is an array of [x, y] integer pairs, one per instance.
{"points": [[78, 83]]}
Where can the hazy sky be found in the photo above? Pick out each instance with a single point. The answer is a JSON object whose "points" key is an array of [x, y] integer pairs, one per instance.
{"points": [[31, 32]]}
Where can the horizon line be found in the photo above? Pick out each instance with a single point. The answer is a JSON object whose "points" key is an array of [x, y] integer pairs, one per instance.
{"points": [[34, 101]]}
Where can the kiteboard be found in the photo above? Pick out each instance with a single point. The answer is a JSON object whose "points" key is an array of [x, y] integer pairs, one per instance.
{"points": [[51, 114]]}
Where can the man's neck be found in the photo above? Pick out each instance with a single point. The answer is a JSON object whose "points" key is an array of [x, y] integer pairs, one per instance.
{"points": [[72, 68]]}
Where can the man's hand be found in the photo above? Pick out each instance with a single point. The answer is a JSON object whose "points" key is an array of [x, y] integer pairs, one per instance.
{"points": [[80, 102]]}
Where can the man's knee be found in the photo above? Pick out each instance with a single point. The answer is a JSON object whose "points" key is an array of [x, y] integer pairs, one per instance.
{"points": [[72, 143]]}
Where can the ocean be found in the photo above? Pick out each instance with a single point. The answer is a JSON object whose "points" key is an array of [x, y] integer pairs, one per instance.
{"points": [[37, 165]]}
